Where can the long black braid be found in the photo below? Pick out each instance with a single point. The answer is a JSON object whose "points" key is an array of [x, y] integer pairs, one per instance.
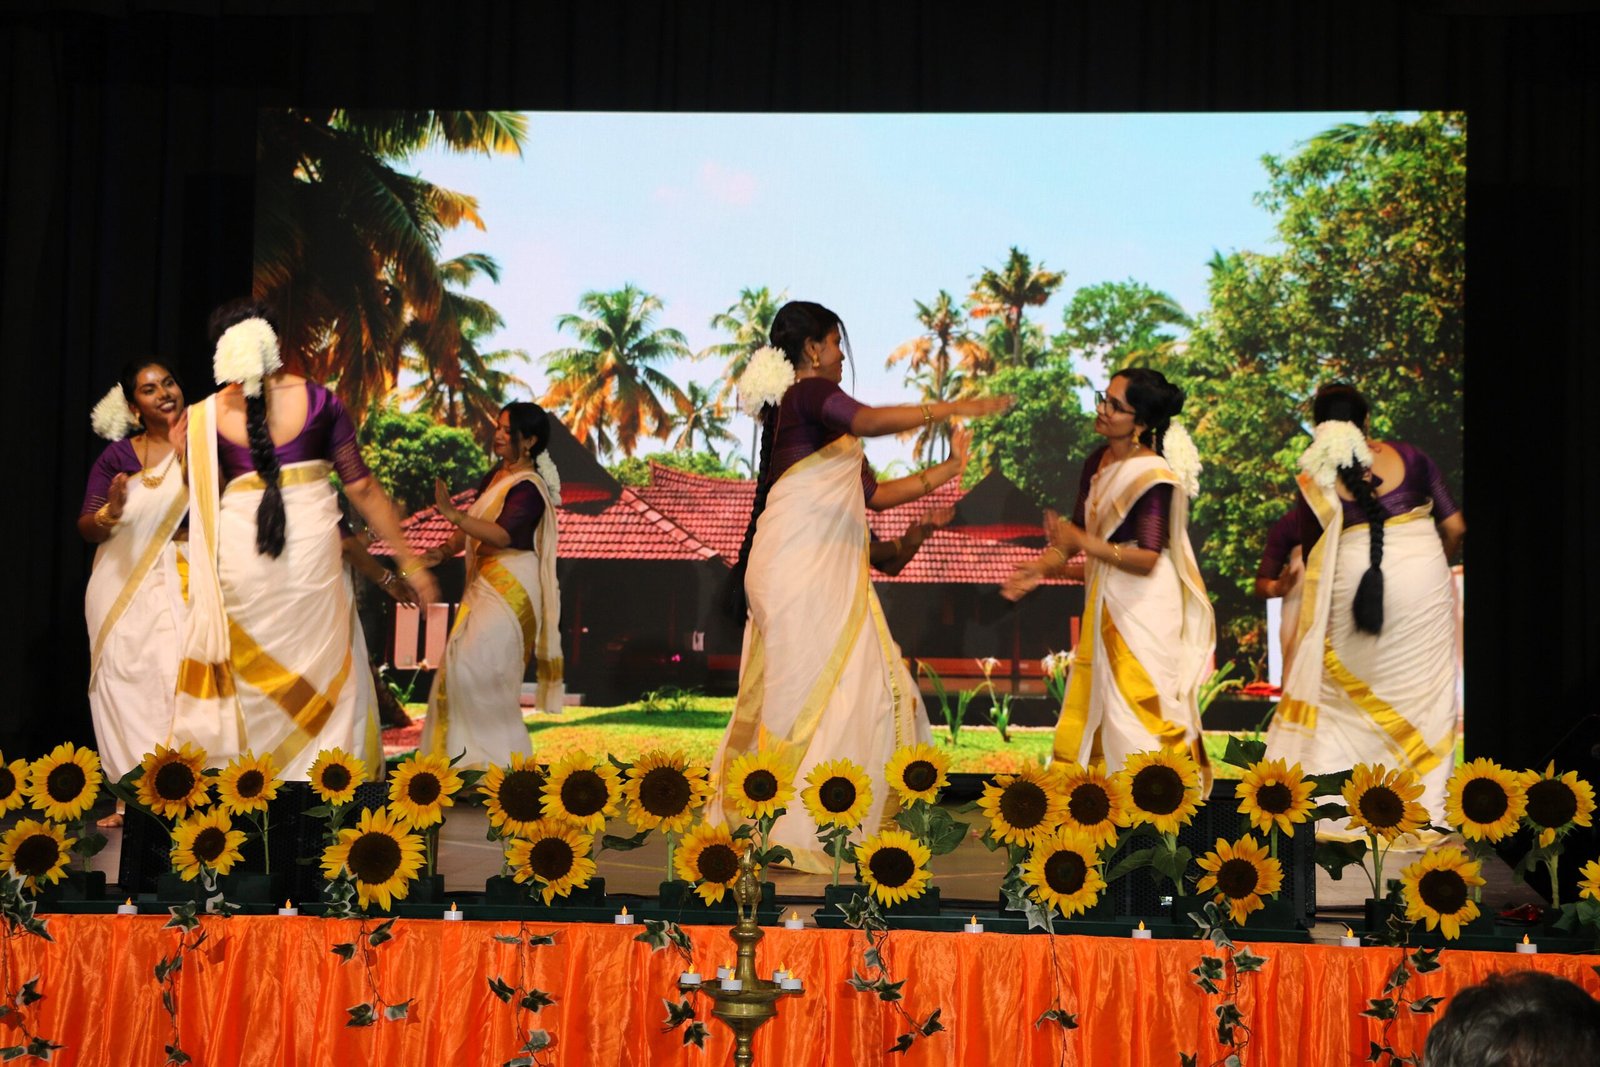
{"points": [[270, 518], [1341, 401]]}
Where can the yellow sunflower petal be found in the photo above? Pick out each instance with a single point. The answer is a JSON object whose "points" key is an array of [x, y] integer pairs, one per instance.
{"points": [[65, 783], [917, 772], [421, 788], [36, 851], [13, 784], [205, 840], [708, 856], [1272, 794], [381, 856], [837, 793], [1095, 803], [893, 866], [555, 856], [335, 774], [1063, 869], [664, 790], [759, 784], [1437, 889], [1023, 808], [1383, 803], [172, 781], [582, 791], [248, 783], [1163, 788], [1239, 875], [514, 794]]}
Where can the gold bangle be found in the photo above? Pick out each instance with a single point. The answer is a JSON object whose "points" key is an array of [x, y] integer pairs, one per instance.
{"points": [[922, 476], [413, 567], [1116, 550], [1062, 556], [927, 414], [103, 519]]}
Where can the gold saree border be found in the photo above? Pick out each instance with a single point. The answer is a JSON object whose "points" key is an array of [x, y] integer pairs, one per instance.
{"points": [[159, 539], [307, 473], [1407, 739], [307, 709]]}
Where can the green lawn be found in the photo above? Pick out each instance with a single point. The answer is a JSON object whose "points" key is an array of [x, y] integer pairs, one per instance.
{"points": [[630, 729]]}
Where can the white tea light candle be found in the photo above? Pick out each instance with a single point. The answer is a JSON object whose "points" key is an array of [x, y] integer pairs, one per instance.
{"points": [[794, 922], [128, 907], [973, 926], [1526, 947], [622, 918], [1141, 934], [1349, 940], [454, 914], [288, 910]]}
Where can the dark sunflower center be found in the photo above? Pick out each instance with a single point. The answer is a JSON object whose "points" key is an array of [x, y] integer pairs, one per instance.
{"points": [[65, 782], [423, 788], [891, 867], [761, 786], [1274, 798], [920, 775], [1484, 800], [36, 855], [1023, 805], [664, 792], [584, 793], [1552, 803], [374, 858], [718, 863], [522, 795], [1088, 805], [8, 782], [1237, 878], [335, 778], [1382, 807], [1443, 891], [1158, 790], [250, 784], [208, 844], [174, 781], [551, 858], [1064, 872], [837, 795]]}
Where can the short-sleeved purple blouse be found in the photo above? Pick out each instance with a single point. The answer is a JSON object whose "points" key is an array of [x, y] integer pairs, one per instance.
{"points": [[1282, 538], [327, 434], [1422, 483], [119, 457], [1146, 522], [520, 513], [813, 414]]}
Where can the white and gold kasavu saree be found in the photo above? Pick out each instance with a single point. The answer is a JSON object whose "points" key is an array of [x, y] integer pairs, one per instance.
{"points": [[510, 614], [820, 677], [1146, 641], [134, 608], [1386, 698], [273, 636]]}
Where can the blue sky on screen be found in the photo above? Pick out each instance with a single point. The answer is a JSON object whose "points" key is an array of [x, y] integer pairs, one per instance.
{"points": [[863, 213]]}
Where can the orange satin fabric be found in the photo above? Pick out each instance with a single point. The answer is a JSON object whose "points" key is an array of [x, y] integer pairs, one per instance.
{"points": [[265, 991]]}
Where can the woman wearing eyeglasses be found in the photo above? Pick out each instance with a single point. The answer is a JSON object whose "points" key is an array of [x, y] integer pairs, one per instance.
{"points": [[1378, 528], [1148, 634]]}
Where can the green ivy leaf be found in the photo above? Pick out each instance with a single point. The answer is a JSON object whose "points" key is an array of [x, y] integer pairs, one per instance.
{"points": [[540, 940], [345, 950], [176, 1057], [500, 988], [1381, 1008], [381, 933], [360, 1015], [931, 1025], [677, 1014], [508, 939], [395, 1012], [1060, 1016], [1424, 1005], [538, 1041], [1245, 961], [695, 1034], [535, 1000], [29, 993], [901, 1043]]}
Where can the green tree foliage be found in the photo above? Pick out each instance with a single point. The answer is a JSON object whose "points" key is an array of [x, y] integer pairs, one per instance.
{"points": [[1005, 293], [1039, 444], [748, 324], [702, 415], [635, 470], [1119, 324], [939, 363], [407, 450]]}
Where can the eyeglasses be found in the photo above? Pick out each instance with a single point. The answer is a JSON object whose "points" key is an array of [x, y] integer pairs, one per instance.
{"points": [[1116, 406]]}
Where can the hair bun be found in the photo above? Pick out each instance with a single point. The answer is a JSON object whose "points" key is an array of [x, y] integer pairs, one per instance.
{"points": [[1174, 401]]}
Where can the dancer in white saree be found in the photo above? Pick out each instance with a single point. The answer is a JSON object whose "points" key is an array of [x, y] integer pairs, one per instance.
{"points": [[133, 508], [1148, 634], [1374, 678], [820, 677], [511, 611], [268, 656]]}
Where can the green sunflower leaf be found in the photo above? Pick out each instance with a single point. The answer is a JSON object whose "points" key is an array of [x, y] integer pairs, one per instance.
{"points": [[623, 844], [1244, 753]]}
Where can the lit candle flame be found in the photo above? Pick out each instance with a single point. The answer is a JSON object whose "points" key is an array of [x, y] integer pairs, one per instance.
{"points": [[794, 915], [453, 906], [1141, 924], [128, 901], [1524, 939], [1348, 932], [624, 909], [974, 920]]}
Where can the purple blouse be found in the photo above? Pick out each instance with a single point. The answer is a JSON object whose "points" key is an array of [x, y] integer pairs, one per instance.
{"points": [[118, 458], [1146, 521], [1422, 483], [327, 434], [813, 414], [519, 514], [1282, 538]]}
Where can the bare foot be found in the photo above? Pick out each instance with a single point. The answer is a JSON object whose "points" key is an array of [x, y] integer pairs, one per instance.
{"points": [[110, 821]]}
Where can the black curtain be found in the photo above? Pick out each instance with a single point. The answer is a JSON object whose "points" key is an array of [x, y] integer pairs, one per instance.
{"points": [[128, 138]]}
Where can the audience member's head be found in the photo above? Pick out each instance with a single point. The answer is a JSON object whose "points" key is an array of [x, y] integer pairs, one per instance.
{"points": [[1521, 1019]]}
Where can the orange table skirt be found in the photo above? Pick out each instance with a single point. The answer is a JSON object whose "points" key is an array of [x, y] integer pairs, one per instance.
{"points": [[268, 991]]}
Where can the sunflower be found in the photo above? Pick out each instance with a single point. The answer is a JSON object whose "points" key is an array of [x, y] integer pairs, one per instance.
{"points": [[1384, 802], [422, 787], [381, 855], [582, 792], [36, 851], [709, 857], [664, 790], [205, 840], [759, 784], [1273, 794], [1241, 874], [65, 783], [335, 774], [1063, 869], [248, 783], [1556, 802], [1589, 886], [1096, 803], [1163, 788], [1024, 808], [918, 772], [174, 780], [554, 855], [513, 794], [1438, 888], [13, 784], [837, 793], [1484, 800], [894, 866]]}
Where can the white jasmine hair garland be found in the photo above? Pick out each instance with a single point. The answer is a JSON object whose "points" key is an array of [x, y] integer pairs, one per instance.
{"points": [[767, 376], [246, 353], [111, 418], [546, 467], [1181, 455], [1334, 444]]}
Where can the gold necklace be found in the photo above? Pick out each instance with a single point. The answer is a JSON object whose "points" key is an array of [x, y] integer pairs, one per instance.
{"points": [[153, 481]]}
